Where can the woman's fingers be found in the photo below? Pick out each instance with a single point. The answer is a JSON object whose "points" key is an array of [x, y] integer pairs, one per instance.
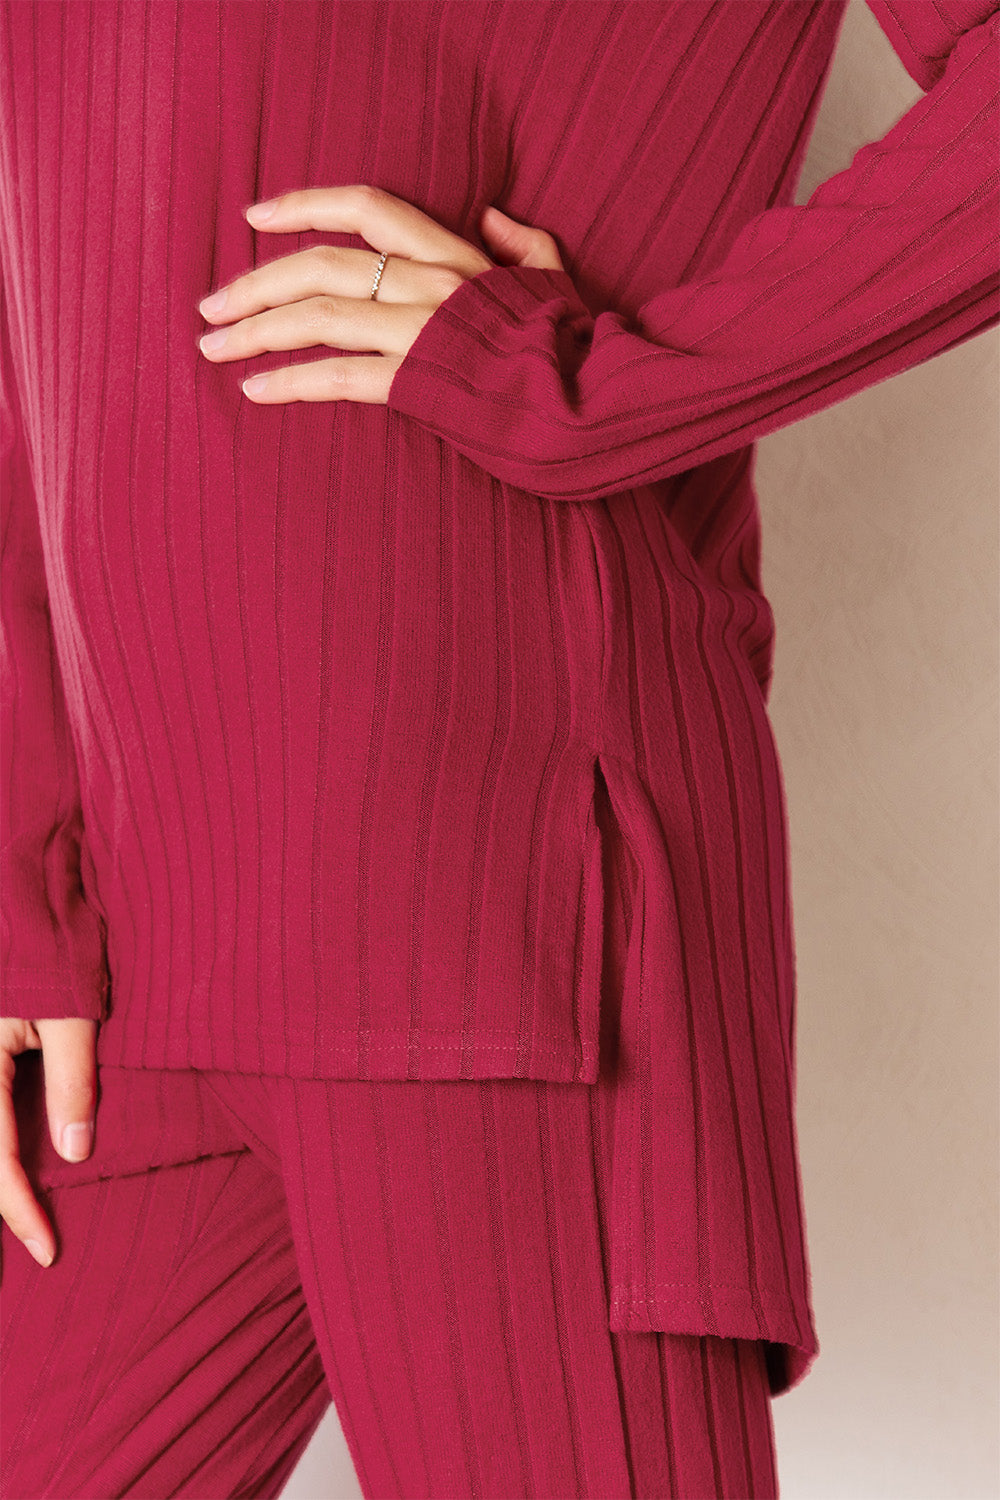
{"points": [[313, 272], [385, 221], [339, 322], [18, 1206], [359, 377], [328, 270], [69, 1066], [69, 1062], [322, 295]]}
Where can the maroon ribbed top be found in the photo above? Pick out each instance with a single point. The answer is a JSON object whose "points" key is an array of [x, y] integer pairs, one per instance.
{"points": [[304, 705]]}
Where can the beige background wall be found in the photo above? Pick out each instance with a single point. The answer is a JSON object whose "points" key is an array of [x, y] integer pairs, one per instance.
{"points": [[881, 562]]}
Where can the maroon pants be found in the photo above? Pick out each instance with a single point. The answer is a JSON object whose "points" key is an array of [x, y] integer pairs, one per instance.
{"points": [[431, 1254]]}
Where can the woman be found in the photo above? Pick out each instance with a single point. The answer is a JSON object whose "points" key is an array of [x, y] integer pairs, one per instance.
{"points": [[396, 840]]}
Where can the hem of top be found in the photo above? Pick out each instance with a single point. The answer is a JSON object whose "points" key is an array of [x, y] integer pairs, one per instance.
{"points": [[732, 1312], [384, 1054]]}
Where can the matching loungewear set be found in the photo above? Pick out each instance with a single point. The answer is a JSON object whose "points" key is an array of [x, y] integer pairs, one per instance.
{"points": [[394, 783]]}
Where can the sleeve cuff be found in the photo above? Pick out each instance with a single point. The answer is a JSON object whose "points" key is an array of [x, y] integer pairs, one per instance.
{"points": [[491, 361], [475, 323], [33, 995]]}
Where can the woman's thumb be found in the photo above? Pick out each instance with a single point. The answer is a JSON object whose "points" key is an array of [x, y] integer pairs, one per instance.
{"points": [[514, 244]]}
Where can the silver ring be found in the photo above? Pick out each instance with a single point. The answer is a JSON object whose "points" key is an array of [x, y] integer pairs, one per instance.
{"points": [[378, 273]]}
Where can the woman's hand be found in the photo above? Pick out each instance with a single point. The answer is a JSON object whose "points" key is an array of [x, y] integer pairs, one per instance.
{"points": [[69, 1057], [322, 296]]}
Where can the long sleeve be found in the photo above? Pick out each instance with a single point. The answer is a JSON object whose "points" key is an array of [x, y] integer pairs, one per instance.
{"points": [[890, 262], [53, 943]]}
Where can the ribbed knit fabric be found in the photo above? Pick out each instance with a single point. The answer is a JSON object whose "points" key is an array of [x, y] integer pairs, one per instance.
{"points": [[309, 709], [434, 1249]]}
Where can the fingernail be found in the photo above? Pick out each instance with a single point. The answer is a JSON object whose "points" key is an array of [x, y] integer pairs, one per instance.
{"points": [[263, 210], [255, 385], [214, 340], [214, 304], [76, 1140], [41, 1255]]}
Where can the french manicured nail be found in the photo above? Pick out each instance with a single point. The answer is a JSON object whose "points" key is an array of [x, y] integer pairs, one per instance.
{"points": [[214, 340], [76, 1141], [255, 385], [214, 304], [41, 1255], [262, 211]]}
